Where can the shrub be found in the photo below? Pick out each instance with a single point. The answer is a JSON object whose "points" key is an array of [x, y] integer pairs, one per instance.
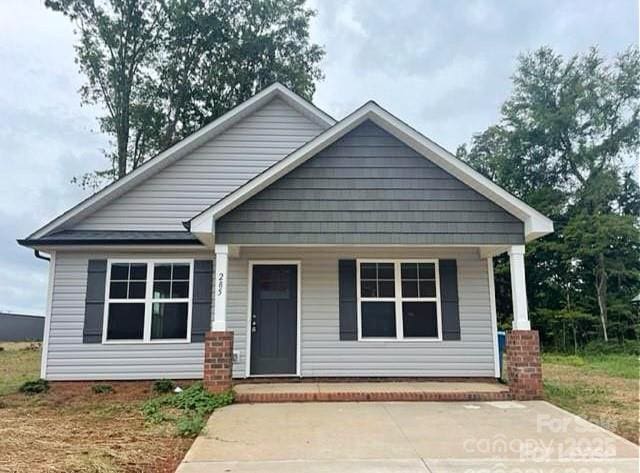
{"points": [[102, 388], [189, 426], [35, 387], [164, 386], [197, 399], [186, 410]]}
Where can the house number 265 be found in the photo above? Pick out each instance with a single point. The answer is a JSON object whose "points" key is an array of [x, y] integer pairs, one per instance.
{"points": [[220, 283]]}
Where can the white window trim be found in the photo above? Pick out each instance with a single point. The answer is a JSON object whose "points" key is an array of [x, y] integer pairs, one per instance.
{"points": [[398, 299], [147, 301]]}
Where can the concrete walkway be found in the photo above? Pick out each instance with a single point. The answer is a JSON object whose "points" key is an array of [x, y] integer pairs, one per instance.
{"points": [[434, 437]]}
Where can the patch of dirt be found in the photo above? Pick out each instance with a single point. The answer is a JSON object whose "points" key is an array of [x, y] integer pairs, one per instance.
{"points": [[609, 401], [73, 430]]}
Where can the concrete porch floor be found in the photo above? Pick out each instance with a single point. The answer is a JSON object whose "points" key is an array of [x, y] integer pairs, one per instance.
{"points": [[371, 391]]}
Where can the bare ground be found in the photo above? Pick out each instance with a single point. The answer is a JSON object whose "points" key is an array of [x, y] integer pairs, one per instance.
{"points": [[600, 397], [71, 429]]}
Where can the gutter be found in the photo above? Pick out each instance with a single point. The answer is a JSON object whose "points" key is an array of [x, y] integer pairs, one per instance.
{"points": [[38, 255]]}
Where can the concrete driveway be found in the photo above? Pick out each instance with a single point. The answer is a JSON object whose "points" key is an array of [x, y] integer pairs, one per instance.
{"points": [[484, 437]]}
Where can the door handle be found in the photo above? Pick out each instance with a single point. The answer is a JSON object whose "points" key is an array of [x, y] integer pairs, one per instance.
{"points": [[254, 324]]}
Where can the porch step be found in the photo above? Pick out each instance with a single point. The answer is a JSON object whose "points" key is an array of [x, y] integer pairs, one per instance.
{"points": [[379, 391]]}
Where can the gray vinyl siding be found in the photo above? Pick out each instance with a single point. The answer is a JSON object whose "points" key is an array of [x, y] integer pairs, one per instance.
{"points": [[369, 188], [201, 178], [70, 359], [323, 354]]}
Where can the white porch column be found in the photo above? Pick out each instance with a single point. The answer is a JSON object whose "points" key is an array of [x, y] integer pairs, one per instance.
{"points": [[518, 288], [219, 323]]}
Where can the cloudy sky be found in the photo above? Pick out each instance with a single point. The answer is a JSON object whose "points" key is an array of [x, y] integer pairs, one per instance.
{"points": [[441, 65]]}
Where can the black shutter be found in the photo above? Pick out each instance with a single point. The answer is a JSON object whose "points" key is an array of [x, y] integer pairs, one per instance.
{"points": [[94, 301], [347, 300], [449, 299], [201, 305]]}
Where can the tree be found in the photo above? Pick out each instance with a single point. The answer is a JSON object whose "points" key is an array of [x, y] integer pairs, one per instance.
{"points": [[116, 48], [161, 69], [218, 54], [606, 247], [565, 141]]}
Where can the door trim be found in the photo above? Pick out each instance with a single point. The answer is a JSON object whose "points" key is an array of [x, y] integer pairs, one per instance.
{"points": [[252, 263]]}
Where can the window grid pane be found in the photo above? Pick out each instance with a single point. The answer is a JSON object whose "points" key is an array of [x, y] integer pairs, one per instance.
{"points": [[169, 320], [418, 280], [419, 319], [171, 281], [128, 281], [377, 280], [126, 321]]}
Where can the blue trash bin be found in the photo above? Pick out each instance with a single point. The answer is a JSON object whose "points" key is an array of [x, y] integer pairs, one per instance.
{"points": [[502, 345]]}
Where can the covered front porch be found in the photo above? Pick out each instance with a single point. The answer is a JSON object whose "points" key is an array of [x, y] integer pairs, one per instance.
{"points": [[311, 298]]}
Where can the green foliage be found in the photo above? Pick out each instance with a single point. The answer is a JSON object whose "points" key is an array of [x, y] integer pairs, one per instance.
{"points": [[571, 360], [609, 359], [599, 347], [161, 70], [569, 394], [198, 400], [186, 410], [163, 386], [565, 144], [35, 387], [190, 426], [102, 389]]}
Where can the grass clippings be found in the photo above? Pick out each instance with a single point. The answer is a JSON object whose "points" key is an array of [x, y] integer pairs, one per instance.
{"points": [[71, 429]]}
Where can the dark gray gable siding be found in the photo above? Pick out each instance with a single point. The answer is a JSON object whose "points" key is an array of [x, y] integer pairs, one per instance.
{"points": [[369, 188]]}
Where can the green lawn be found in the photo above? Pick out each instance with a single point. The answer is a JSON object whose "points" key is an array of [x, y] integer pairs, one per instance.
{"points": [[601, 388], [19, 362]]}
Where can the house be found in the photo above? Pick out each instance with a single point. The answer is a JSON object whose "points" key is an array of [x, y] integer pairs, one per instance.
{"points": [[277, 241], [20, 327]]}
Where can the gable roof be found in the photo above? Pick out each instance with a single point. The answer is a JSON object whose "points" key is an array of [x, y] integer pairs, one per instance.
{"points": [[536, 224], [180, 149]]}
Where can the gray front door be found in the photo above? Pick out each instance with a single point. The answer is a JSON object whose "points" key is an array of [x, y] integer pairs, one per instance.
{"points": [[274, 305]]}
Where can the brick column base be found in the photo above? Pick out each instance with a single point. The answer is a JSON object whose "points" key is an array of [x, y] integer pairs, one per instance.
{"points": [[218, 360], [524, 372]]}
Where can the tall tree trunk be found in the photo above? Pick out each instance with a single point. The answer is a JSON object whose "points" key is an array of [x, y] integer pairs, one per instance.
{"points": [[122, 153], [601, 292]]}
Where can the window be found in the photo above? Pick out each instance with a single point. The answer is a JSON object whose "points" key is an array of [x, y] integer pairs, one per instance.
{"points": [[399, 299], [148, 301], [419, 300]]}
